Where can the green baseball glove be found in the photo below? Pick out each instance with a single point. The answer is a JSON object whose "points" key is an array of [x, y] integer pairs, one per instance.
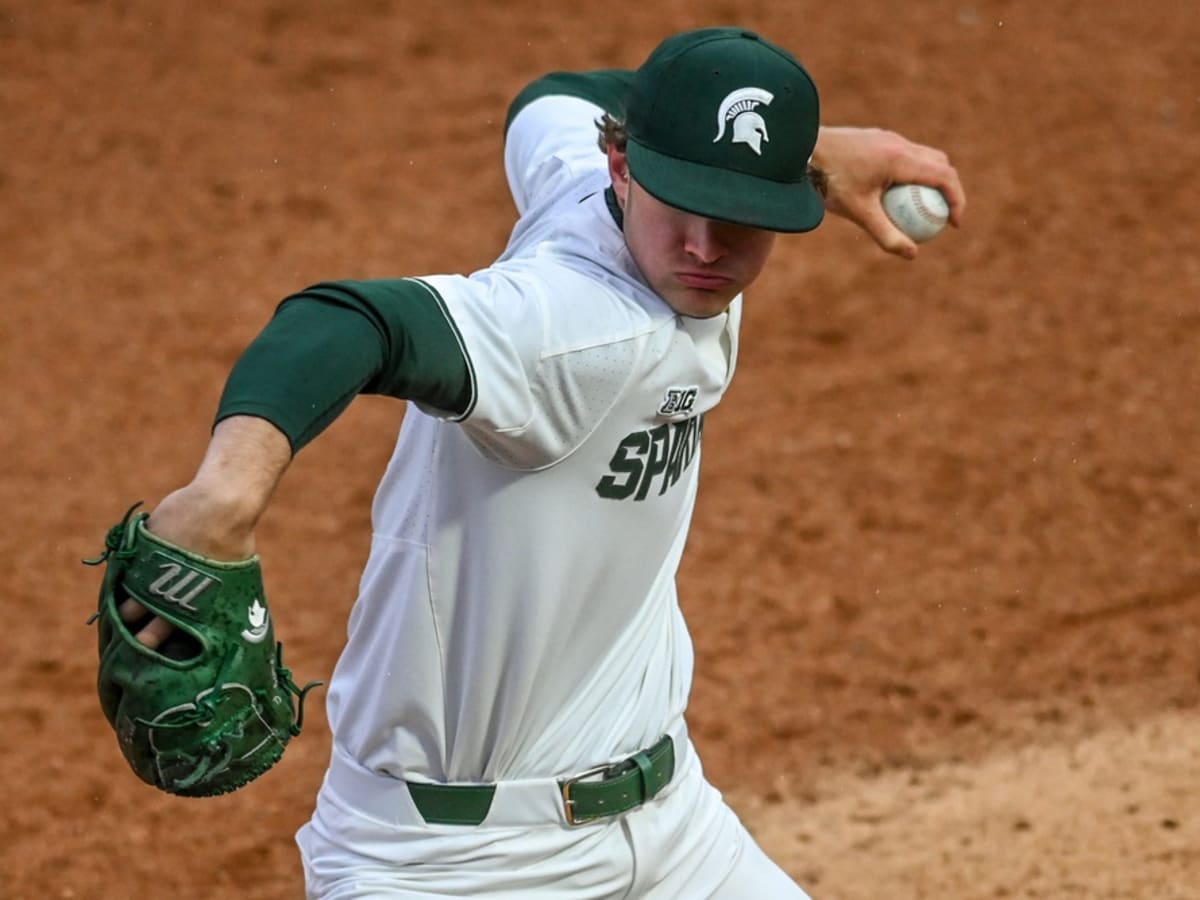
{"points": [[212, 708]]}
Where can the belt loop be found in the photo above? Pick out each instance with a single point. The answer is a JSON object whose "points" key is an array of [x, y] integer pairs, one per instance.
{"points": [[452, 804], [645, 769]]}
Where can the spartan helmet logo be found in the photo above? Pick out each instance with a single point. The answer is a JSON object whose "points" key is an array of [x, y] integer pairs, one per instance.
{"points": [[748, 126]]}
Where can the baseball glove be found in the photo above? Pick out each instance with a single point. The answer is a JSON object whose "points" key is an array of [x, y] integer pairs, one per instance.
{"points": [[212, 708]]}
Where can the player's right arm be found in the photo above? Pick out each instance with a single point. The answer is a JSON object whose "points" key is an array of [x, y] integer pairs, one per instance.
{"points": [[858, 164], [550, 135]]}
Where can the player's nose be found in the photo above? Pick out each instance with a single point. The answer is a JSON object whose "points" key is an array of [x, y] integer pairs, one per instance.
{"points": [[702, 240]]}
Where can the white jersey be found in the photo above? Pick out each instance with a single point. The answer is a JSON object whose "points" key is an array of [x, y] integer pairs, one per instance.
{"points": [[517, 617]]}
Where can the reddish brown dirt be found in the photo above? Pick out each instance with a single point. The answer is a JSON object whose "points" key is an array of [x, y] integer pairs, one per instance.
{"points": [[945, 574]]}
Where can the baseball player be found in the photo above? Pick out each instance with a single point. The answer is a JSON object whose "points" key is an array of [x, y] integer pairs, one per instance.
{"points": [[508, 711]]}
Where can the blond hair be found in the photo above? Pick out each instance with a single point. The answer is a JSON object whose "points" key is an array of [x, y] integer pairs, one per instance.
{"points": [[611, 133]]}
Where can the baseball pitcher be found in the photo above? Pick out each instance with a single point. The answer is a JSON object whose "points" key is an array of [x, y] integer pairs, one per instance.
{"points": [[508, 713]]}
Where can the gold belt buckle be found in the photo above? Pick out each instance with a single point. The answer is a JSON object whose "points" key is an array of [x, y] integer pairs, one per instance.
{"points": [[569, 804]]}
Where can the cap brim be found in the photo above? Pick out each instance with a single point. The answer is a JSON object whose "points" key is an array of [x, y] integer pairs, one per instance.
{"points": [[718, 193]]}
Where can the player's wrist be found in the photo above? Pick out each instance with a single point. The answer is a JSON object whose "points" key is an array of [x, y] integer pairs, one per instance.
{"points": [[209, 518]]}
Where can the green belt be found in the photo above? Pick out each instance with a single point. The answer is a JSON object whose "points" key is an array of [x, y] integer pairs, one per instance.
{"points": [[617, 788]]}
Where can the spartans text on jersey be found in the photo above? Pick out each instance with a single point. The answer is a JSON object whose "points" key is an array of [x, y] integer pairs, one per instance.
{"points": [[663, 453]]}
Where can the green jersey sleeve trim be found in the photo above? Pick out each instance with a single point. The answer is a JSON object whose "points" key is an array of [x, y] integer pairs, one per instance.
{"points": [[606, 88], [460, 410], [333, 341]]}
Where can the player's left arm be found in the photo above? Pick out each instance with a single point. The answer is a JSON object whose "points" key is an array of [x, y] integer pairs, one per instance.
{"points": [[323, 347], [855, 165]]}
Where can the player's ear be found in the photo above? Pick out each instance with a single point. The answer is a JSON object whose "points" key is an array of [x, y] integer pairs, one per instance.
{"points": [[618, 170]]}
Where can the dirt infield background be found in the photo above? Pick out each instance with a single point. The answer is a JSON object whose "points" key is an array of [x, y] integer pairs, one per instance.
{"points": [[944, 580]]}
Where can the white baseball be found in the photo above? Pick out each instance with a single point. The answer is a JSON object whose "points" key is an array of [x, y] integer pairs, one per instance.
{"points": [[920, 212]]}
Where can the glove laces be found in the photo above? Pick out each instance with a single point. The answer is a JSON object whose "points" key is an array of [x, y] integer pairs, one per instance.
{"points": [[118, 543]]}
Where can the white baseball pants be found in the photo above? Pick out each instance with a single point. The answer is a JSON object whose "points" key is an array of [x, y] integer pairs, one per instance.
{"points": [[366, 841]]}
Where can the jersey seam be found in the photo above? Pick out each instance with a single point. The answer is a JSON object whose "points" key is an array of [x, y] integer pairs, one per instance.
{"points": [[400, 541], [607, 342], [431, 513], [617, 396]]}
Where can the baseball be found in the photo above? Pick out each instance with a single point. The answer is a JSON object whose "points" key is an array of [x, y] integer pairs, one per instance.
{"points": [[920, 212]]}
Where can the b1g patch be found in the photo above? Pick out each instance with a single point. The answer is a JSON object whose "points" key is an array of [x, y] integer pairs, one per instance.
{"points": [[678, 401]]}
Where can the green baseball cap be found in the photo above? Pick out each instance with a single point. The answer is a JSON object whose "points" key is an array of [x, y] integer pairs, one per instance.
{"points": [[722, 123]]}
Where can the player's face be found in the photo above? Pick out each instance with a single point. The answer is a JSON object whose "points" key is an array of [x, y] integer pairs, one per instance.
{"points": [[696, 265]]}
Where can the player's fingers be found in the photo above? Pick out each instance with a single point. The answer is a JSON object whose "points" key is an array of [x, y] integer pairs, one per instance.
{"points": [[958, 203], [131, 611], [948, 182], [875, 222], [148, 628], [155, 632], [937, 171], [919, 164]]}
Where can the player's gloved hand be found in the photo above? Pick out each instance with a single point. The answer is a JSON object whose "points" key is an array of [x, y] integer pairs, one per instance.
{"points": [[203, 525], [859, 164], [211, 707], [215, 515], [191, 677]]}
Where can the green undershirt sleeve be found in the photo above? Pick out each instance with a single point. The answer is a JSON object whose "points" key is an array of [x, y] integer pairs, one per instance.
{"points": [[606, 88], [331, 342]]}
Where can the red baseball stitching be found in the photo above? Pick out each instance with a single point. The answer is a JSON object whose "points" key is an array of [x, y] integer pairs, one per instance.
{"points": [[922, 209]]}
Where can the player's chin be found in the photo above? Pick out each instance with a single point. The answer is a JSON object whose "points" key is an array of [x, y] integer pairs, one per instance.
{"points": [[699, 303]]}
